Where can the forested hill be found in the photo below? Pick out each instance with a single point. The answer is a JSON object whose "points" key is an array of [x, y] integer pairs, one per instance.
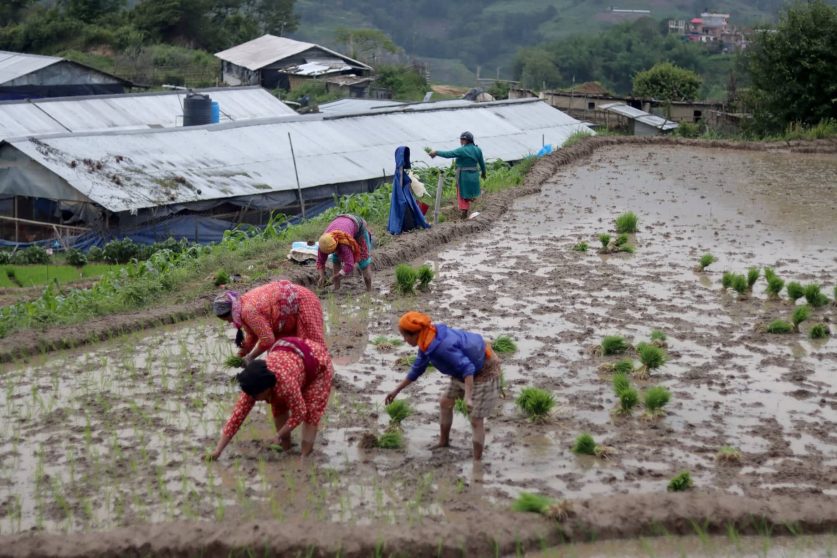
{"points": [[459, 35]]}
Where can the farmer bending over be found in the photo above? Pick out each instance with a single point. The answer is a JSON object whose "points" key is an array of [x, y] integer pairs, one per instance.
{"points": [[465, 357], [349, 243], [295, 379]]}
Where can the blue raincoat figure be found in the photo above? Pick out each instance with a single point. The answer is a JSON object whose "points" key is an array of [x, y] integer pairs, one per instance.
{"points": [[404, 212]]}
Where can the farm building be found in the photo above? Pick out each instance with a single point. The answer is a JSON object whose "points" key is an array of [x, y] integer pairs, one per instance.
{"points": [[31, 76], [638, 122], [278, 62], [242, 171], [126, 112]]}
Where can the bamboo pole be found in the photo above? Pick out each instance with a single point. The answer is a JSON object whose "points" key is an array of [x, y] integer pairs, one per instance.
{"points": [[296, 172]]}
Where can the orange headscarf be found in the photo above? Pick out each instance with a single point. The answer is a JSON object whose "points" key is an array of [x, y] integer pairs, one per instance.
{"points": [[416, 322], [343, 238]]}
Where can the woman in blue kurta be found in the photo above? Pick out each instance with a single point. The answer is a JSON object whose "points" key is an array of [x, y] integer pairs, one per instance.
{"points": [[404, 212], [469, 161], [473, 368]]}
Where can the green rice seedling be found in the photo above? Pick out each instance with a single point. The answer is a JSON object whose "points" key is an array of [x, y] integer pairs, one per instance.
{"points": [[604, 238], [425, 276], [627, 248], [775, 284], [654, 399], [819, 331], [398, 410], [532, 503], [536, 403], [651, 357], [726, 279], [614, 345], [795, 291], [620, 382], [405, 279], [706, 260], [800, 314], [812, 294], [222, 278], [460, 407], [658, 335], [627, 222], [621, 240], [739, 284], [392, 439], [504, 345], [778, 326], [405, 361], [728, 454], [753, 275], [581, 247], [628, 398], [623, 366], [584, 445], [234, 361], [681, 482]]}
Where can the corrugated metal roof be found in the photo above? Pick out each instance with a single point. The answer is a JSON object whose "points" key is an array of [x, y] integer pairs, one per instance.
{"points": [[139, 169], [16, 64], [354, 106], [640, 116], [268, 49], [136, 111]]}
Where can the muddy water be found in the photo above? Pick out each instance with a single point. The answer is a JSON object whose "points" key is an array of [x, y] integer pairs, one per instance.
{"points": [[114, 435]]}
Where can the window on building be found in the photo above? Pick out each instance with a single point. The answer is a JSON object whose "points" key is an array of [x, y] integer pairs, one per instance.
{"points": [[697, 115], [591, 105]]}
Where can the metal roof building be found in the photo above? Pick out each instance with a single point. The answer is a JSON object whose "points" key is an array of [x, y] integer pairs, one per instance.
{"points": [[641, 123], [143, 174], [24, 76], [353, 106], [270, 61], [125, 112]]}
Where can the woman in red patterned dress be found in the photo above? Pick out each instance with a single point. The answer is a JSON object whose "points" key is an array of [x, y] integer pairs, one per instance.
{"points": [[295, 379], [266, 313]]}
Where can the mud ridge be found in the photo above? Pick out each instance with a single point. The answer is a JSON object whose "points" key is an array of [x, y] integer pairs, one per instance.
{"points": [[478, 534], [406, 247]]}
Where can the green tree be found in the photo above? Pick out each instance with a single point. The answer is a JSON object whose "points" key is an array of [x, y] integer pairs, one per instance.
{"points": [[91, 10], [13, 11], [793, 68], [365, 44], [536, 70], [277, 17], [667, 82]]}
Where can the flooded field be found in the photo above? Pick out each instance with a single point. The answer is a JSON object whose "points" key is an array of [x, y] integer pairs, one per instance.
{"points": [[114, 435]]}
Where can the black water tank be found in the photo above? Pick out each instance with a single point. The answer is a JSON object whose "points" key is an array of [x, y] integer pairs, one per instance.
{"points": [[197, 109]]}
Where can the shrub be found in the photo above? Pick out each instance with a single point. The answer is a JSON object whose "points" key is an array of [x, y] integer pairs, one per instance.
{"points": [[222, 278], [706, 260], [405, 279], [819, 331], [654, 399], [425, 276], [121, 251], [800, 314], [581, 247], [398, 410], [95, 254], [535, 403], [779, 326], [795, 291], [584, 445], [76, 258], [681, 482], [504, 345], [812, 294], [627, 222], [752, 276], [5, 257], [392, 439], [33, 255], [614, 345]]}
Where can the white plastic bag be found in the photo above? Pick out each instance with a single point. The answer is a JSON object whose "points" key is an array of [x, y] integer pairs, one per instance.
{"points": [[416, 185]]}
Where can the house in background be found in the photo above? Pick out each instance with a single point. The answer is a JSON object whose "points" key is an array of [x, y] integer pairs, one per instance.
{"points": [[278, 62], [32, 76]]}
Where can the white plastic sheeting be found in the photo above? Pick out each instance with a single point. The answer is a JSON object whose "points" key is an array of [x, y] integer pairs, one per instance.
{"points": [[132, 170], [269, 49], [640, 116], [137, 111]]}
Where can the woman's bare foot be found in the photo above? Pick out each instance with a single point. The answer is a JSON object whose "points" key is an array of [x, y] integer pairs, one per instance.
{"points": [[439, 445]]}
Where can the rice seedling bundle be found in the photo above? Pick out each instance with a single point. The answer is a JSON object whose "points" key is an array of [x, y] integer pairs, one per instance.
{"points": [[655, 398], [651, 356], [681, 482], [614, 345], [504, 345], [795, 291], [234, 361], [706, 260], [819, 331], [621, 382], [536, 403], [398, 410], [726, 279], [624, 366], [728, 454], [628, 398], [621, 240], [460, 407], [812, 294], [739, 283], [604, 238], [581, 247], [627, 222], [658, 335], [221, 278], [392, 439], [779, 326], [584, 445], [425, 276], [530, 502], [752, 276], [775, 284], [405, 279], [800, 314]]}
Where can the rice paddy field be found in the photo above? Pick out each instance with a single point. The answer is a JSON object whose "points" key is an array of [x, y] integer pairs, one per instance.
{"points": [[103, 445]]}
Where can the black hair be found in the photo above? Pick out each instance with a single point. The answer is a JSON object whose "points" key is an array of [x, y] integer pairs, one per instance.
{"points": [[239, 338], [256, 378]]}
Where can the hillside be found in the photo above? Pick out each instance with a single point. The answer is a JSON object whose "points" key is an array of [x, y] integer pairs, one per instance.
{"points": [[456, 37]]}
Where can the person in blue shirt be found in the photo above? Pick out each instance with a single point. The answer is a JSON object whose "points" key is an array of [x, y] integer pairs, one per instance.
{"points": [[473, 368]]}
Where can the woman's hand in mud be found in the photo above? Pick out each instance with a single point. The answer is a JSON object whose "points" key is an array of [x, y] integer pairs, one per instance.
{"points": [[284, 442], [391, 397], [321, 279], [212, 456]]}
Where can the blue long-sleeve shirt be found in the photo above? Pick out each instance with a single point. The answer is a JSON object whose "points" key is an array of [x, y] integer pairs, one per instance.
{"points": [[453, 352]]}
